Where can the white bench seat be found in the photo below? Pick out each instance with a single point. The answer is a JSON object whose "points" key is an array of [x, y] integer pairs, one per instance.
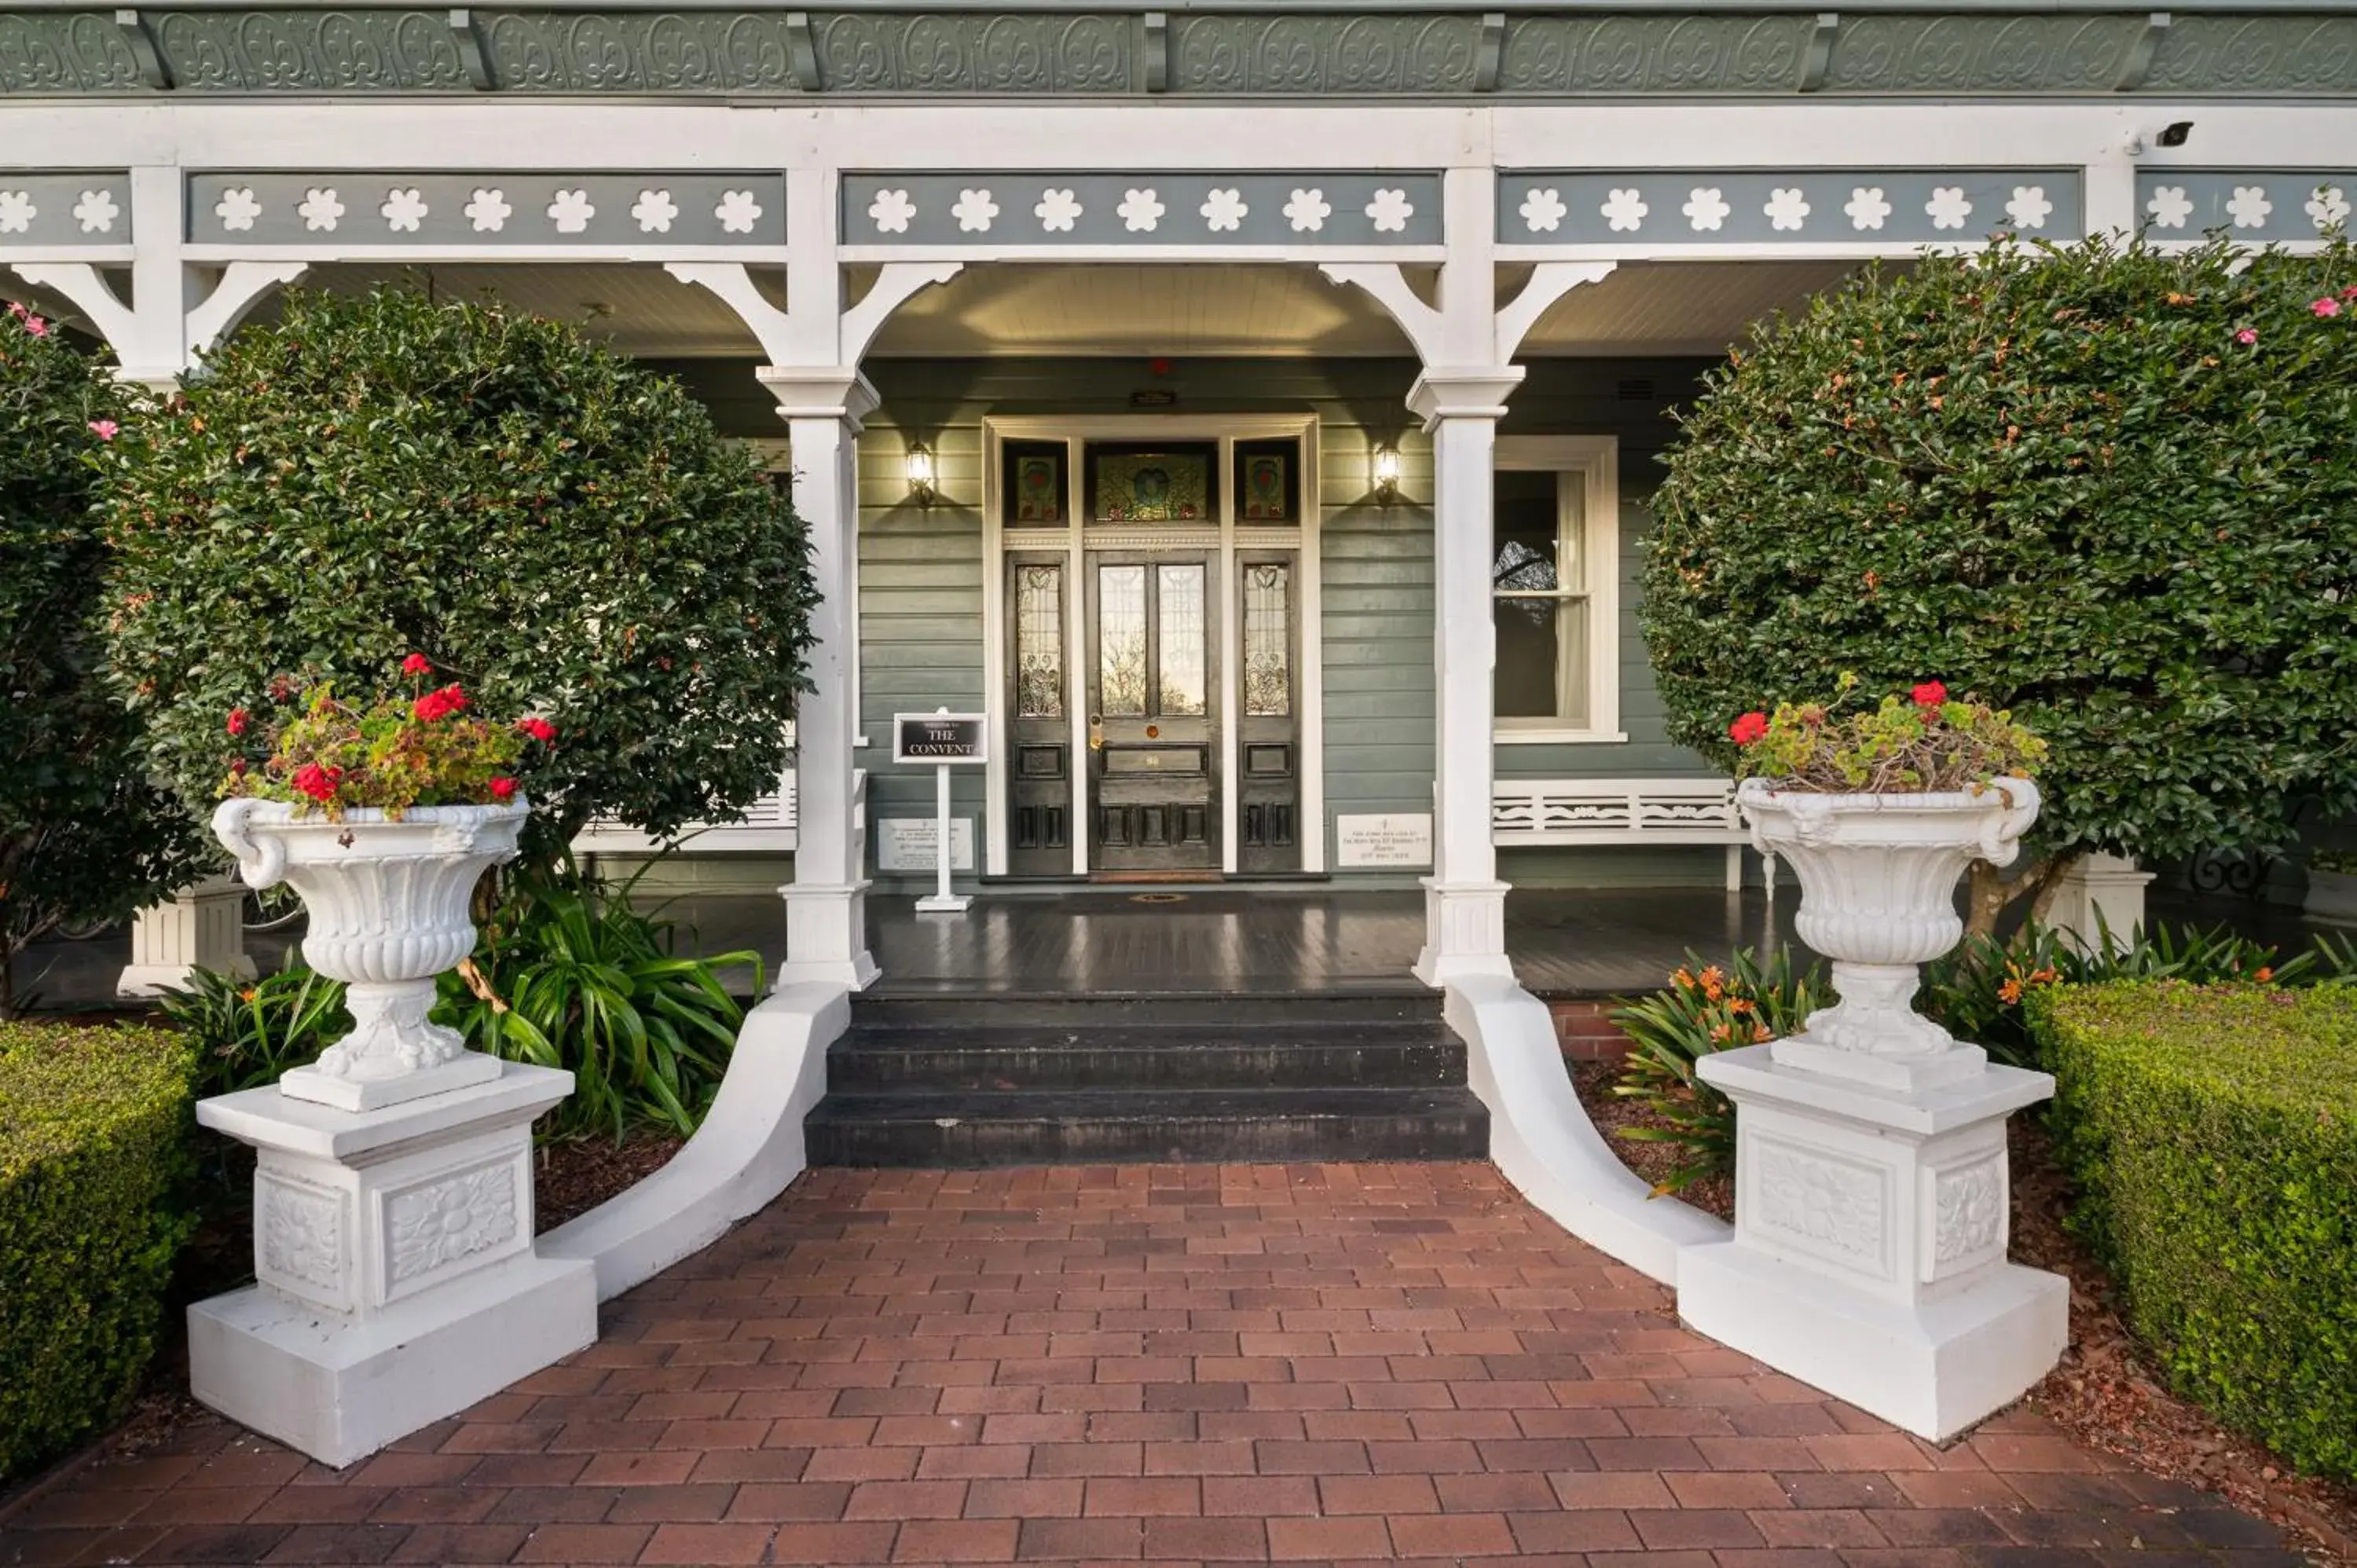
{"points": [[1532, 814]]}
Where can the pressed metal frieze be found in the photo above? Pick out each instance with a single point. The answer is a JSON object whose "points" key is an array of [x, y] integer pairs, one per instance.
{"points": [[1255, 50]]}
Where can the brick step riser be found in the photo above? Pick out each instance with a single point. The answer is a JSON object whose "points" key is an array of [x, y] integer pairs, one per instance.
{"points": [[1063, 1141], [989, 1066]]}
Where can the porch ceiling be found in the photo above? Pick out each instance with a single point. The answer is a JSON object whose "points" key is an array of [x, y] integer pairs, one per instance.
{"points": [[1137, 311]]}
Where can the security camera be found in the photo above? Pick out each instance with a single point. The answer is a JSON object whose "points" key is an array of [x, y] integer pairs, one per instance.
{"points": [[2174, 135]]}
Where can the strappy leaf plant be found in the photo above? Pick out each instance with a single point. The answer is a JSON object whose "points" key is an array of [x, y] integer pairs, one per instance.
{"points": [[568, 975]]}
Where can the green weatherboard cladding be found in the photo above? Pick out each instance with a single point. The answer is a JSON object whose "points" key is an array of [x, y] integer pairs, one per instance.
{"points": [[1445, 50], [921, 568]]}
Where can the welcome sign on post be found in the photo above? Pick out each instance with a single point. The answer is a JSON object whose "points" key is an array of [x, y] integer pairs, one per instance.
{"points": [[946, 740]]}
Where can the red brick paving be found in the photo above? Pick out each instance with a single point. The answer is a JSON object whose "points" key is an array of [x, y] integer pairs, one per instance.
{"points": [[1181, 1364]]}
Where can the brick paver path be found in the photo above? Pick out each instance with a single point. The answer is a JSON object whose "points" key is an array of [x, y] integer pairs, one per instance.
{"points": [[1173, 1363]]}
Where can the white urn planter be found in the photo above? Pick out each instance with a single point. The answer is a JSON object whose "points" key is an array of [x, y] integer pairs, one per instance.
{"points": [[397, 1277], [1871, 1209], [388, 904]]}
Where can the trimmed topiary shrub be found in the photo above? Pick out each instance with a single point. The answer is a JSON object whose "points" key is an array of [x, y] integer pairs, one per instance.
{"points": [[2111, 491], [2214, 1132], [93, 1130], [84, 837], [557, 529]]}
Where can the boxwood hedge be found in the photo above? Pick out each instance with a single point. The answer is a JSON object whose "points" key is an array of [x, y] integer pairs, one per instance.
{"points": [[2214, 1132], [92, 1132]]}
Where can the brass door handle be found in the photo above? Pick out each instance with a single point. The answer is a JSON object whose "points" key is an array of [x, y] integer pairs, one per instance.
{"points": [[1096, 732]]}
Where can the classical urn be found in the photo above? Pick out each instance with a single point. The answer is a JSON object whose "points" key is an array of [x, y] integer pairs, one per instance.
{"points": [[388, 900], [1878, 877]]}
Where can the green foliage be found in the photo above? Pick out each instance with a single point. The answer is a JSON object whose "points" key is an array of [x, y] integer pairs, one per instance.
{"points": [[2213, 1133], [245, 1033], [1705, 1009], [398, 752], [561, 531], [1928, 741], [93, 1128], [568, 974], [2058, 480], [83, 837], [1981, 993]]}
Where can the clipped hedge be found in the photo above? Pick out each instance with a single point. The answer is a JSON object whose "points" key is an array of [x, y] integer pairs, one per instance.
{"points": [[2214, 1132], [92, 1133]]}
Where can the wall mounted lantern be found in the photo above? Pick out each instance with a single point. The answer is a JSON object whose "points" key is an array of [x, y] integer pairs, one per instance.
{"points": [[920, 475], [1387, 474]]}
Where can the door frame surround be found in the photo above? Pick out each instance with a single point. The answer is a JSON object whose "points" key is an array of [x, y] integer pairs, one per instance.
{"points": [[1077, 538]]}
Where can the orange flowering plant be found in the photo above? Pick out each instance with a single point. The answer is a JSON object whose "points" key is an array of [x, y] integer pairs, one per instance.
{"points": [[426, 748], [1705, 1009], [1925, 741]]}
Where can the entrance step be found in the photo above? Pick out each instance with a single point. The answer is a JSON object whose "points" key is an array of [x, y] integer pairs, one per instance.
{"points": [[973, 1081]]}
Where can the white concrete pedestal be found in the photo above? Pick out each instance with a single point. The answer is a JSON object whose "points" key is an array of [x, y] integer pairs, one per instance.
{"points": [[1465, 932], [2102, 893], [200, 928], [1869, 1251], [399, 1281]]}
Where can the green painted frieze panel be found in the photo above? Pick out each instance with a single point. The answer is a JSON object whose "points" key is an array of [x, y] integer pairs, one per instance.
{"points": [[1061, 209], [2256, 205], [56, 210], [1445, 52], [1813, 207], [437, 211], [1580, 57], [1295, 54]]}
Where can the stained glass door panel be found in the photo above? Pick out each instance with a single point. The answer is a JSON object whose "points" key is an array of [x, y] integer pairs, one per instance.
{"points": [[1151, 658], [1268, 750], [1040, 724]]}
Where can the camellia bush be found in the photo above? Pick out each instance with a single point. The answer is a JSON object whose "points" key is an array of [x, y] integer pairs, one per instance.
{"points": [[84, 837], [2110, 490], [557, 531]]}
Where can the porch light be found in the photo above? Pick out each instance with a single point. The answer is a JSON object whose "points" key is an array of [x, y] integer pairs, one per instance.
{"points": [[920, 475], [1387, 473]]}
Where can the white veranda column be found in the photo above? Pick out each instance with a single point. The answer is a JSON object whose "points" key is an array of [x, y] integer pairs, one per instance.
{"points": [[1464, 902], [826, 903]]}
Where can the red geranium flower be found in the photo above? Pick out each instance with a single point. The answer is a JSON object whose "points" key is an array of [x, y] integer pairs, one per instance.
{"points": [[1930, 694], [439, 704], [417, 664], [540, 729], [237, 721], [1748, 729], [318, 782], [502, 790]]}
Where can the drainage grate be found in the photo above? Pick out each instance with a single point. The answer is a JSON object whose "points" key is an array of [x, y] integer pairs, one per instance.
{"points": [[1157, 897]]}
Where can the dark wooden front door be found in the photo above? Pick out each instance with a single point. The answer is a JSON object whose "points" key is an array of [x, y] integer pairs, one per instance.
{"points": [[1150, 645]]}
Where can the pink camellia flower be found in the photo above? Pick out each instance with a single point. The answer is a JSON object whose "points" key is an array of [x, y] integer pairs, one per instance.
{"points": [[36, 326], [2350, 292], [104, 429], [417, 664], [2326, 306], [2247, 337], [502, 790]]}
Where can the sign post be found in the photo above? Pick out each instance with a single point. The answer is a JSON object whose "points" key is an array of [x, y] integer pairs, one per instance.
{"points": [[946, 740]]}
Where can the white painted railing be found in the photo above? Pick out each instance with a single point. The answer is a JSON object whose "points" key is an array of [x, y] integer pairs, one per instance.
{"points": [[770, 825], [1536, 812]]}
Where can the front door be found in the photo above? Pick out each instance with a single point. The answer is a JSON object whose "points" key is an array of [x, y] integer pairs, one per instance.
{"points": [[1150, 641]]}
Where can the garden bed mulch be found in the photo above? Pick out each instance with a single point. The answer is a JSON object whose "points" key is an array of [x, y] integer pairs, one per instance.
{"points": [[2107, 1393]]}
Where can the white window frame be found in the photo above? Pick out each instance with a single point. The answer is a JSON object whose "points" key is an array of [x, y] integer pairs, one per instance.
{"points": [[1595, 462]]}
